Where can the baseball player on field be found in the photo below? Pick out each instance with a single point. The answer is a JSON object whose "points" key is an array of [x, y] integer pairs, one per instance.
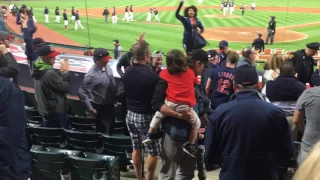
{"points": [[57, 15], [114, 16], [225, 8], [46, 14], [65, 19], [231, 6], [73, 15], [126, 14], [156, 14], [149, 14], [78, 22], [131, 13]]}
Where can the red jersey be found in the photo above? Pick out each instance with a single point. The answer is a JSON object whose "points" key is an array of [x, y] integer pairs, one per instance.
{"points": [[180, 87]]}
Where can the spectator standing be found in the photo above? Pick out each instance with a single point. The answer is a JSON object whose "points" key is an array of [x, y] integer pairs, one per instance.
{"points": [[98, 91], [209, 67], [156, 61], [248, 143], [46, 14], [303, 62], [271, 30], [9, 67], [57, 13], [308, 106], [258, 43], [180, 97], [118, 50], [139, 107], [176, 131], [286, 86], [249, 57], [105, 14], [219, 87], [191, 24], [15, 157], [272, 69], [224, 50], [125, 61], [51, 87], [78, 22], [32, 45]]}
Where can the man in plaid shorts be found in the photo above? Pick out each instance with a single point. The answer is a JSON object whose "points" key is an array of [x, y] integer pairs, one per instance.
{"points": [[139, 83]]}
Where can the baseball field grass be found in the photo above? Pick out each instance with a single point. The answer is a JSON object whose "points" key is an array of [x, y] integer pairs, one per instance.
{"points": [[291, 15]]}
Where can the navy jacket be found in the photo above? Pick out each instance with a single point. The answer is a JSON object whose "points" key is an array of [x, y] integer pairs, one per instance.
{"points": [[188, 29], [15, 158], [247, 137], [315, 78], [30, 52], [284, 88]]}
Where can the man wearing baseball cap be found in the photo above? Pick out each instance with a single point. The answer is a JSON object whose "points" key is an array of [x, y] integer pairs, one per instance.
{"points": [[51, 87], [98, 91], [248, 136], [156, 61], [224, 50], [304, 62], [118, 50], [9, 67]]}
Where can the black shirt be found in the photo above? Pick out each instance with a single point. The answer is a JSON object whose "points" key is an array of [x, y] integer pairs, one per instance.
{"points": [[156, 12], [72, 12], [46, 11], [272, 25], [105, 12], [65, 17], [131, 10], [139, 84], [124, 61], [126, 10], [303, 65], [284, 88], [258, 44], [77, 16], [57, 12]]}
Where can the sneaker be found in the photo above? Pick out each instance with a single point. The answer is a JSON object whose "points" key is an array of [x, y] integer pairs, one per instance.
{"points": [[190, 149], [148, 139]]}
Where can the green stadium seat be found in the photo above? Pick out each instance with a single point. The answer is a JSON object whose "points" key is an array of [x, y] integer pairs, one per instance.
{"points": [[77, 108]]}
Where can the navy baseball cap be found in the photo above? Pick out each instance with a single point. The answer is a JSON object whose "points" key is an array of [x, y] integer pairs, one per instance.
{"points": [[101, 54], [47, 51], [212, 53], [223, 44], [246, 75], [39, 42], [200, 55], [313, 45]]}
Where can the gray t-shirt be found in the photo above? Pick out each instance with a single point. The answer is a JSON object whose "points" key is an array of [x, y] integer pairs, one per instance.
{"points": [[309, 102]]}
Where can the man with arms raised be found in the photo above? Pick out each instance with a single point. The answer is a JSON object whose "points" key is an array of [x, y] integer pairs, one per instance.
{"points": [[139, 83]]}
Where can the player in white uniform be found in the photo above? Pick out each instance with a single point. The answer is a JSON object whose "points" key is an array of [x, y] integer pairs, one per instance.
{"points": [[225, 8], [231, 7], [149, 15], [126, 14]]}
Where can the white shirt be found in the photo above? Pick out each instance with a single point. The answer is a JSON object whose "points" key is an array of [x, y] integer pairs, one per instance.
{"points": [[267, 76], [253, 5]]}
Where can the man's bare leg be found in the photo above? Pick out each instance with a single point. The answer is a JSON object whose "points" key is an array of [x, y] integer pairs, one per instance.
{"points": [[137, 163], [151, 166]]}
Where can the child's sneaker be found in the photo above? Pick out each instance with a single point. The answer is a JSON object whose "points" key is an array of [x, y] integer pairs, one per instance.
{"points": [[190, 149], [148, 139]]}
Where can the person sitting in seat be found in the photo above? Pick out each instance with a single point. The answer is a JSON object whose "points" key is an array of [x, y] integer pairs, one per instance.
{"points": [[286, 87]]}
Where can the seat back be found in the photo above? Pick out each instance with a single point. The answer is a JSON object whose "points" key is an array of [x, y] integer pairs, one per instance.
{"points": [[50, 137], [83, 140], [117, 145], [82, 123], [77, 107], [30, 99]]}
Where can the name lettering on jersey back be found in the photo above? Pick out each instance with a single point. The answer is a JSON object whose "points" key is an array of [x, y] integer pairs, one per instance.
{"points": [[226, 75]]}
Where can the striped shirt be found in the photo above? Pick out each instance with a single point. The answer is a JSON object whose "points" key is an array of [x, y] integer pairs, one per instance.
{"points": [[98, 87]]}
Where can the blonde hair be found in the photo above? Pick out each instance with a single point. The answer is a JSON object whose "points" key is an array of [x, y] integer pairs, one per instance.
{"points": [[274, 62], [310, 168]]}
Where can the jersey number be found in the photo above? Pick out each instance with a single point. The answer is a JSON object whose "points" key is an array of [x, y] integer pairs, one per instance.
{"points": [[223, 85]]}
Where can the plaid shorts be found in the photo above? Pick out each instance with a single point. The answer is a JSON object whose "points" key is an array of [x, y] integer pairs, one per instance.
{"points": [[138, 126]]}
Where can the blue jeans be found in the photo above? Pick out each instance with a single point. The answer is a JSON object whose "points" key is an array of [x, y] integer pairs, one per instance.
{"points": [[55, 121]]}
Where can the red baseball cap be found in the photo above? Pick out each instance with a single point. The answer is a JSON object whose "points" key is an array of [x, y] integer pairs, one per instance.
{"points": [[48, 51], [101, 54]]}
